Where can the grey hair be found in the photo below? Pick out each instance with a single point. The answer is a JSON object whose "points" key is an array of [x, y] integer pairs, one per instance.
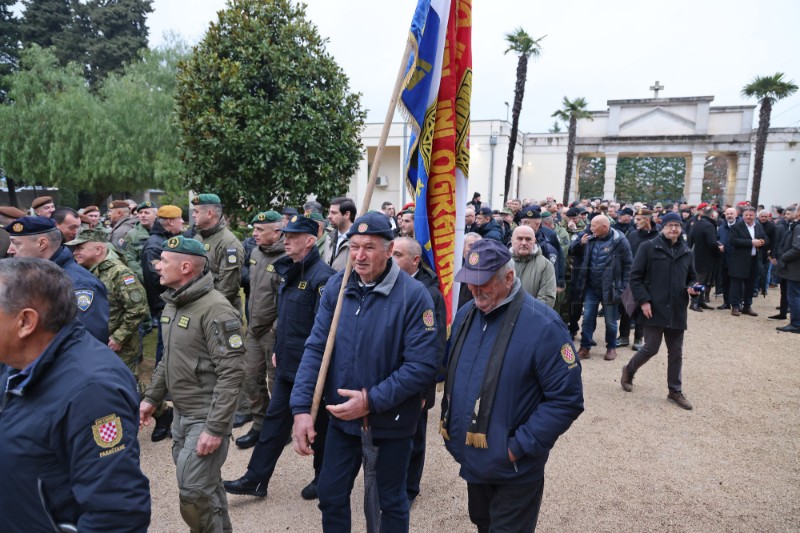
{"points": [[503, 270], [39, 284], [54, 238]]}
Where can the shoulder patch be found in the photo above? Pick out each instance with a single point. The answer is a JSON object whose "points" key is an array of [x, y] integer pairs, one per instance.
{"points": [[235, 341], [107, 431], [85, 298], [567, 354], [183, 322], [129, 280], [136, 296], [231, 253], [427, 318], [232, 325]]}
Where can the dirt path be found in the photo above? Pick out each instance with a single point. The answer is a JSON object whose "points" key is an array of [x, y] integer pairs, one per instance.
{"points": [[631, 463]]}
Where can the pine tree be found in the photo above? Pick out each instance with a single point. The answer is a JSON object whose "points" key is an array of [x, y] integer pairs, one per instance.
{"points": [[9, 44], [118, 33]]}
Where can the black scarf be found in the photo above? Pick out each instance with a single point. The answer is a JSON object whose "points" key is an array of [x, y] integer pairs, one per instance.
{"points": [[479, 424]]}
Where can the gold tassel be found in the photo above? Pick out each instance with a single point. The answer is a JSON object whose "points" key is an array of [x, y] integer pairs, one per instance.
{"points": [[477, 440], [443, 431]]}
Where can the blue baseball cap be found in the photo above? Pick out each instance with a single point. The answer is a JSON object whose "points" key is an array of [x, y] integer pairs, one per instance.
{"points": [[482, 262]]}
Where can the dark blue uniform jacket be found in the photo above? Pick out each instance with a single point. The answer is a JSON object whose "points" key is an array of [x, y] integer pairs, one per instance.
{"points": [[301, 288], [539, 392], [72, 423], [386, 342], [90, 293]]}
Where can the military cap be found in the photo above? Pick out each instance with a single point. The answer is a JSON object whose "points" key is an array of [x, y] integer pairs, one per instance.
{"points": [[30, 226], [182, 245], [89, 235], [147, 205], [40, 201], [85, 219], [372, 224], [289, 211], [90, 209], [266, 217], [206, 199], [546, 214], [410, 207], [659, 206], [573, 212], [301, 224], [506, 211], [643, 211], [169, 211], [671, 217], [485, 211], [119, 204], [11, 211], [483, 260], [626, 211], [702, 205], [530, 211], [743, 203], [316, 216]]}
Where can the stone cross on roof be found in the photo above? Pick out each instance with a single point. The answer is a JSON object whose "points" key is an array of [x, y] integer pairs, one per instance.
{"points": [[655, 88]]}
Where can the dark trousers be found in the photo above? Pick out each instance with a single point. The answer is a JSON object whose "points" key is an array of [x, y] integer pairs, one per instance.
{"points": [[652, 343], [159, 343], [625, 323], [784, 305], [726, 286], [575, 313], [417, 461], [275, 431], [340, 468], [742, 288], [505, 508]]}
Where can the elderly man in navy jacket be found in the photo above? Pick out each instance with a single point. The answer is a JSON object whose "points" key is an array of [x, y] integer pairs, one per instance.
{"points": [[513, 387], [386, 355]]}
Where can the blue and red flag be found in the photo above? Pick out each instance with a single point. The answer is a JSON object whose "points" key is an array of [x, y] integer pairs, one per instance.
{"points": [[436, 102]]}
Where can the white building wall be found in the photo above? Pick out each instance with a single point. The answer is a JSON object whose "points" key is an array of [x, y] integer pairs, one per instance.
{"points": [[780, 180]]}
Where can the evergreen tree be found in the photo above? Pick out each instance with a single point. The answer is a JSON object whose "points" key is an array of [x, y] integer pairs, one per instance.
{"points": [[9, 44], [118, 32], [56, 23]]}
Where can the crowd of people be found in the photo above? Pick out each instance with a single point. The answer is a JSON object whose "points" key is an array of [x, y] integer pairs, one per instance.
{"points": [[242, 328]]}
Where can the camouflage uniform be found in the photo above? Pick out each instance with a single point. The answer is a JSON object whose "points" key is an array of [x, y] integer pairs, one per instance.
{"points": [[120, 230], [134, 243], [225, 255]]}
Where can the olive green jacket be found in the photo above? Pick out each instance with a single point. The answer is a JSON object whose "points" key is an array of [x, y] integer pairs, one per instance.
{"points": [[127, 304], [120, 230], [203, 363], [134, 243], [264, 282], [225, 255]]}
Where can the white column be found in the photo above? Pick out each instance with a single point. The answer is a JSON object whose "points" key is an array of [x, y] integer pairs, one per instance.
{"points": [[742, 176], [698, 162], [609, 187], [687, 177]]}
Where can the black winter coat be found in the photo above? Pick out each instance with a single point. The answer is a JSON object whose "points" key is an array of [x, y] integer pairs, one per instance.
{"points": [[660, 274], [431, 282], [703, 241], [742, 244], [789, 261], [637, 236]]}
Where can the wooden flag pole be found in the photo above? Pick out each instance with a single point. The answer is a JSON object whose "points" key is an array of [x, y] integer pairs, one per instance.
{"points": [[373, 176]]}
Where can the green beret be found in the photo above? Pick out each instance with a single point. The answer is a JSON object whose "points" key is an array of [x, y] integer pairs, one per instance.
{"points": [[147, 205], [546, 214], [266, 217], [182, 245], [206, 199], [89, 235], [316, 216]]}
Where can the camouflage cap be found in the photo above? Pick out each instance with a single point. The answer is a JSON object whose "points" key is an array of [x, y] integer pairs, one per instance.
{"points": [[182, 245], [89, 235], [266, 217]]}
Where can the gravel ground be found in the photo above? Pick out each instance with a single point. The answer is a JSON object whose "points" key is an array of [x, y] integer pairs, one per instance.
{"points": [[631, 463]]}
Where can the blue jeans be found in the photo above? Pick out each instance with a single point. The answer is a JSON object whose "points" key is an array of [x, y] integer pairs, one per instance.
{"points": [[339, 469], [793, 297], [591, 302]]}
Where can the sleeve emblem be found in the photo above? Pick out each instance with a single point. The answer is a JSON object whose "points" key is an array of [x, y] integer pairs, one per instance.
{"points": [[136, 296], [567, 354], [235, 341], [85, 299], [129, 280], [231, 253], [427, 318], [107, 431]]}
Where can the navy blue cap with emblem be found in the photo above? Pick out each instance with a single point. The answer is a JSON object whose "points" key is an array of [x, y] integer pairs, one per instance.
{"points": [[30, 226], [530, 211], [482, 262], [372, 224], [301, 224]]}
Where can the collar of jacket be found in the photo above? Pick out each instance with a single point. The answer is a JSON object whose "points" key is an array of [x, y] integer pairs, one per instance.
{"points": [[194, 290], [159, 230], [103, 265], [385, 285], [206, 233], [426, 277], [277, 248], [286, 267], [62, 257], [525, 258]]}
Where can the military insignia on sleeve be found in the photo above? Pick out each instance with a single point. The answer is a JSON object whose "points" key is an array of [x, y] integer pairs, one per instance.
{"points": [[253, 261], [173, 242], [232, 259], [235, 341], [270, 268], [128, 280], [16, 228], [183, 322], [427, 318], [363, 227], [107, 431], [567, 354], [206, 247], [85, 299], [121, 243], [302, 285], [164, 319], [136, 296], [474, 257]]}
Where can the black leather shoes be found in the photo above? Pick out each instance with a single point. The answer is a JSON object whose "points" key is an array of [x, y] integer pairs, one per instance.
{"points": [[748, 311], [309, 492], [240, 420], [248, 440], [695, 307], [704, 305], [163, 424], [724, 306], [789, 329], [245, 487]]}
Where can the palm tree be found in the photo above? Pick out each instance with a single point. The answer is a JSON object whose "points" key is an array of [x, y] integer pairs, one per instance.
{"points": [[524, 46], [570, 112], [768, 90]]}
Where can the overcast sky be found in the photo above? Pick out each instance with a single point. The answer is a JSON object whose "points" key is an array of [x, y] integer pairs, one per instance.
{"points": [[614, 49]]}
